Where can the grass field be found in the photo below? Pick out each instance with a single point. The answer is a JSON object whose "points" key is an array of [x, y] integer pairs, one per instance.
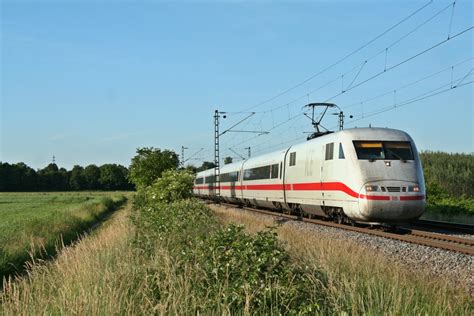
{"points": [[106, 273], [35, 224]]}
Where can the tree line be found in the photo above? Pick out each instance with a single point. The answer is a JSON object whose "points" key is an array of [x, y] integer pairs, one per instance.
{"points": [[445, 173], [19, 177], [449, 174]]}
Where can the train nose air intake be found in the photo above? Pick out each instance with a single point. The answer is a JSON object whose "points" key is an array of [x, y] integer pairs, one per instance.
{"points": [[391, 201]]}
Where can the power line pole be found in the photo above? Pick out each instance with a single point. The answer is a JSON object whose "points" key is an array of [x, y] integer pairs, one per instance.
{"points": [[54, 159], [249, 153], [341, 120], [217, 187], [216, 142], [182, 155]]}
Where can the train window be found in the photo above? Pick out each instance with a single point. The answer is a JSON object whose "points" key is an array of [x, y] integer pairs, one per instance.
{"points": [[257, 173], [229, 177], [369, 150], [281, 169], [199, 181], [389, 150], [210, 179], [274, 171], [398, 150], [293, 159], [341, 152], [329, 151]]}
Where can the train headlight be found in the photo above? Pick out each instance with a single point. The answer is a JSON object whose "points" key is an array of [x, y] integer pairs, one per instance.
{"points": [[413, 188], [372, 188]]}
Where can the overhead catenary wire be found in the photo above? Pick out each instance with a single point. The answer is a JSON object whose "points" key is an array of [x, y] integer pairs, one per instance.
{"points": [[408, 84], [418, 98], [396, 103], [360, 67], [391, 91], [451, 20], [401, 63], [364, 62], [341, 59]]}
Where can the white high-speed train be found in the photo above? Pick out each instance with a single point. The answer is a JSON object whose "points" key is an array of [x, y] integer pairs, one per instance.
{"points": [[369, 175]]}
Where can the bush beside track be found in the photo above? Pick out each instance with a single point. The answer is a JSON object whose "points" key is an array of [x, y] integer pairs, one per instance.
{"points": [[226, 269]]}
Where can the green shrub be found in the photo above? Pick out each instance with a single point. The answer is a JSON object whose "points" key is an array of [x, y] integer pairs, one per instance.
{"points": [[172, 186], [228, 268], [178, 226], [451, 174], [149, 164], [254, 272]]}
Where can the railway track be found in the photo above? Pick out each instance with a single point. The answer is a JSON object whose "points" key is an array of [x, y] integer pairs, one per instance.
{"points": [[450, 227], [410, 235]]}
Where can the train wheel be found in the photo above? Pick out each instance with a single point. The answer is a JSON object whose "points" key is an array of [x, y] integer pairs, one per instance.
{"points": [[296, 210]]}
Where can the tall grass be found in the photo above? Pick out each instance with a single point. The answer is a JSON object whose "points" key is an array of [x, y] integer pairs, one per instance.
{"points": [[34, 224], [100, 275], [361, 281], [180, 258]]}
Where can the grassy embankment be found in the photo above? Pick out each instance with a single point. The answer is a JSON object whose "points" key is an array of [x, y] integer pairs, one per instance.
{"points": [[34, 225], [450, 186], [180, 258]]}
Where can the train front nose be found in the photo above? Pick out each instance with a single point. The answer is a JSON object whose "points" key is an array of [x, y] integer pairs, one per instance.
{"points": [[391, 201]]}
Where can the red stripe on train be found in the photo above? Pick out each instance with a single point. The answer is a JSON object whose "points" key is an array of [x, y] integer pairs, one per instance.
{"points": [[313, 186], [412, 198], [375, 197], [325, 186]]}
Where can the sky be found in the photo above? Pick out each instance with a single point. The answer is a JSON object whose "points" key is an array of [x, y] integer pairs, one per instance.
{"points": [[89, 82]]}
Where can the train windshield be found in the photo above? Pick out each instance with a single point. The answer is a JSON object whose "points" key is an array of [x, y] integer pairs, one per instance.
{"points": [[385, 150]]}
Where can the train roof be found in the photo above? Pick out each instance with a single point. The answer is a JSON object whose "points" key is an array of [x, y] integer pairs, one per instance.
{"points": [[364, 133]]}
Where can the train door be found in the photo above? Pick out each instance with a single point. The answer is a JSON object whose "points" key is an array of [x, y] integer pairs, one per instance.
{"points": [[283, 175], [240, 182], [326, 172]]}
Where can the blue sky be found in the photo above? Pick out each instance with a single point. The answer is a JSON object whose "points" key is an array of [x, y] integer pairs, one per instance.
{"points": [[90, 81]]}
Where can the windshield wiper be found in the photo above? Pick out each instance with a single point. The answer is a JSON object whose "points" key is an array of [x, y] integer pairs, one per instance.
{"points": [[396, 155]]}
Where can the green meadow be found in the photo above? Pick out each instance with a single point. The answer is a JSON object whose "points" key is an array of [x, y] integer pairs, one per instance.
{"points": [[35, 225]]}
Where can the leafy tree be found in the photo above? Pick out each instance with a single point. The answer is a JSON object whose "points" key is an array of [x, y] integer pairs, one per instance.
{"points": [[172, 186], [227, 160], [77, 181], [92, 176], [206, 165], [149, 164], [17, 177], [113, 177], [51, 178], [451, 174], [62, 182], [4, 176], [191, 168]]}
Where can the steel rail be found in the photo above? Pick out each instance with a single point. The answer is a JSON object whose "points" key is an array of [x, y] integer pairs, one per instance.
{"points": [[441, 241], [454, 227]]}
